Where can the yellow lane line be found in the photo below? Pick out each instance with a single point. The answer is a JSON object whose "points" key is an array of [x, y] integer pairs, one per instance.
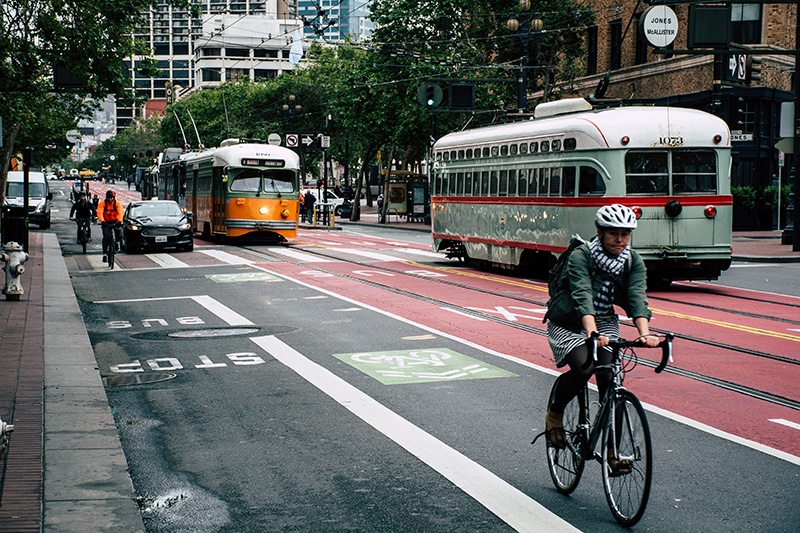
{"points": [[729, 325]]}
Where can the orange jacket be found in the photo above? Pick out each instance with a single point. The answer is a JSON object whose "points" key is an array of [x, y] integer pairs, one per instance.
{"points": [[114, 213]]}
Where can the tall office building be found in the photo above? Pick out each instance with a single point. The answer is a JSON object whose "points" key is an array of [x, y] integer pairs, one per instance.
{"points": [[212, 42], [336, 20]]}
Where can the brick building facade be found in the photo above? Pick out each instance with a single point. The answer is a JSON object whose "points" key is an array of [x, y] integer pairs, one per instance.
{"points": [[636, 71]]}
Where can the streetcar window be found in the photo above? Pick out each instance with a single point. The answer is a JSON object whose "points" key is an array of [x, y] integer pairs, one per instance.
{"points": [[503, 183], [543, 181], [494, 183], [247, 181], [532, 182], [495, 151], [469, 153], [485, 152], [504, 150], [453, 155], [437, 183], [484, 183], [512, 182], [556, 145], [570, 143], [461, 154], [555, 182], [544, 146], [460, 183], [512, 149], [523, 182], [694, 171], [278, 181], [446, 156], [523, 148], [451, 184], [468, 183], [534, 147], [646, 172], [568, 181], [590, 182]]}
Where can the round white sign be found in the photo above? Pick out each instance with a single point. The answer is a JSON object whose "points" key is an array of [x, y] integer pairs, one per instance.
{"points": [[73, 136], [659, 24], [274, 139]]}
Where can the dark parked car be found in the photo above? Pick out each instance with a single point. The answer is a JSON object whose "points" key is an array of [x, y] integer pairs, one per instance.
{"points": [[154, 224]]}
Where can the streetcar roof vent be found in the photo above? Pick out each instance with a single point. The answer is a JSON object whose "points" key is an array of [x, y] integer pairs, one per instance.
{"points": [[228, 142], [561, 107]]}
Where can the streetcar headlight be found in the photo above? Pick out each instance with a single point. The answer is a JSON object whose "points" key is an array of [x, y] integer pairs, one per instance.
{"points": [[710, 211], [263, 210]]}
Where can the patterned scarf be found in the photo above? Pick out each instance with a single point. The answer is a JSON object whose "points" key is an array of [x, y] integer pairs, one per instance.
{"points": [[610, 269]]}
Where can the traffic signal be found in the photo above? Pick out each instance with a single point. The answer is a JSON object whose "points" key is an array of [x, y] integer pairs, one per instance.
{"points": [[739, 118], [754, 70], [429, 95]]}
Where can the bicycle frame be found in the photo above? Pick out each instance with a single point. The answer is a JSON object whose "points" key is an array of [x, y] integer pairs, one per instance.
{"points": [[591, 433]]}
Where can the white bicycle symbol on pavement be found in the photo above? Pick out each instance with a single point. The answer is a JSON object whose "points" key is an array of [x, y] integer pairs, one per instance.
{"points": [[408, 359]]}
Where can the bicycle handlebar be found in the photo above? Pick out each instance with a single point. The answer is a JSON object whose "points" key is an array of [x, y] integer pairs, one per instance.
{"points": [[665, 345]]}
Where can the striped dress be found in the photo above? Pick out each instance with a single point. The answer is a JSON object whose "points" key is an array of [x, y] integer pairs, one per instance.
{"points": [[562, 341]]}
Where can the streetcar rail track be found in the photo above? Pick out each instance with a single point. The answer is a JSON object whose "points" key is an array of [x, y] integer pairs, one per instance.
{"points": [[696, 376]]}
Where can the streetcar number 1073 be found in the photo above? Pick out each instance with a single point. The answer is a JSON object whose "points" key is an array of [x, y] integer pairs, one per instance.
{"points": [[670, 141]]}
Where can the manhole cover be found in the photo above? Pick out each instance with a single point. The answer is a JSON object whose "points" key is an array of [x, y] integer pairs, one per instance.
{"points": [[222, 332], [136, 379]]}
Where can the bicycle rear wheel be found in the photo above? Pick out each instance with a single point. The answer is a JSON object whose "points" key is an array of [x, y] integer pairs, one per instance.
{"points": [[111, 255], [627, 489], [566, 466]]}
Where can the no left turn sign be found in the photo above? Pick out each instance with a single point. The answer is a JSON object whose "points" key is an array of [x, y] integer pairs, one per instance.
{"points": [[291, 140]]}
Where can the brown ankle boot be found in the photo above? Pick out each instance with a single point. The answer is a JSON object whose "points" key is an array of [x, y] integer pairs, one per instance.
{"points": [[554, 430]]}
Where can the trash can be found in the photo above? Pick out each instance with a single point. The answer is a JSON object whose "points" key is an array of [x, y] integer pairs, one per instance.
{"points": [[14, 225]]}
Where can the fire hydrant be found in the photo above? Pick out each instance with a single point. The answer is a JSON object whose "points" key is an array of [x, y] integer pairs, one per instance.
{"points": [[13, 257]]}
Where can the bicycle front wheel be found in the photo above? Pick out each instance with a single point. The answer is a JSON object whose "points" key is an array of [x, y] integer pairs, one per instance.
{"points": [[627, 460], [566, 465]]}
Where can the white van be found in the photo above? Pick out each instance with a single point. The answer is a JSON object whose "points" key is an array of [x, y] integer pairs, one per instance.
{"points": [[39, 196]]}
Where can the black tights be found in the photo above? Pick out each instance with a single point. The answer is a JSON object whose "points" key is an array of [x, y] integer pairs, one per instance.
{"points": [[569, 384]]}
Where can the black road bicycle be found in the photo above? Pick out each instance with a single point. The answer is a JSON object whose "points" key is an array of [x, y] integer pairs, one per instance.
{"points": [[620, 427], [83, 232]]}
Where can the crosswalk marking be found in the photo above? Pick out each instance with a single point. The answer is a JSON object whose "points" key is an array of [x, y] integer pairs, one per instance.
{"points": [[306, 258], [167, 260], [226, 257]]}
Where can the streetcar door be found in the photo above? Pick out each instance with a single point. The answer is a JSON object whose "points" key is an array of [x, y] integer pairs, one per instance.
{"points": [[219, 184]]}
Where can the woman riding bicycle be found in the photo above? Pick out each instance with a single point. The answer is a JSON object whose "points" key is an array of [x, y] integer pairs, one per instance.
{"points": [[110, 212], [82, 210], [601, 273]]}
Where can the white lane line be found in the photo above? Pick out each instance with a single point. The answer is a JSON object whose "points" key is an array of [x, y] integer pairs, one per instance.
{"points": [[220, 310], [369, 255], [225, 257], [166, 261], [787, 423], [304, 257], [425, 253], [509, 503]]}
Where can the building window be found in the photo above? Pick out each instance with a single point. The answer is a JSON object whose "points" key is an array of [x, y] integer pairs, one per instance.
{"points": [[746, 23], [211, 52], [211, 74], [641, 45], [615, 45], [591, 51]]}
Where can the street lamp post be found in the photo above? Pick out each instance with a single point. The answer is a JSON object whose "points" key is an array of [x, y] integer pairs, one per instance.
{"points": [[525, 26]]}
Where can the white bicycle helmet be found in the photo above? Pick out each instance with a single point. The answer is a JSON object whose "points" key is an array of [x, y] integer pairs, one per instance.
{"points": [[615, 216]]}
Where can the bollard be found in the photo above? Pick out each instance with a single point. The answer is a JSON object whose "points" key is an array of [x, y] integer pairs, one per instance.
{"points": [[13, 257]]}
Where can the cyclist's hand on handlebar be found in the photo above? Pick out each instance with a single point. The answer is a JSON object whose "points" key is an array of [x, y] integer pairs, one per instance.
{"points": [[649, 340], [601, 340]]}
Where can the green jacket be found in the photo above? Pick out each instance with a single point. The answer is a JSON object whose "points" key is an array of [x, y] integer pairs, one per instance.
{"points": [[568, 307]]}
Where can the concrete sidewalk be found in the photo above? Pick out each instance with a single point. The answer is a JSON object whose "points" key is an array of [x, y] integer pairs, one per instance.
{"points": [[65, 470]]}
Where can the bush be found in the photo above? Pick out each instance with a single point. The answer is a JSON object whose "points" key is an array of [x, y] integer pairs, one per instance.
{"points": [[769, 196], [744, 197]]}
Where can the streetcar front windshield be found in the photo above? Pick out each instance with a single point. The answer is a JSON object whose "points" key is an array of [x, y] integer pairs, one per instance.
{"points": [[671, 172], [269, 181]]}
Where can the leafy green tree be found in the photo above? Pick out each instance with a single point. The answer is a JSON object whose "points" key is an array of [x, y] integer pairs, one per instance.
{"points": [[40, 39]]}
